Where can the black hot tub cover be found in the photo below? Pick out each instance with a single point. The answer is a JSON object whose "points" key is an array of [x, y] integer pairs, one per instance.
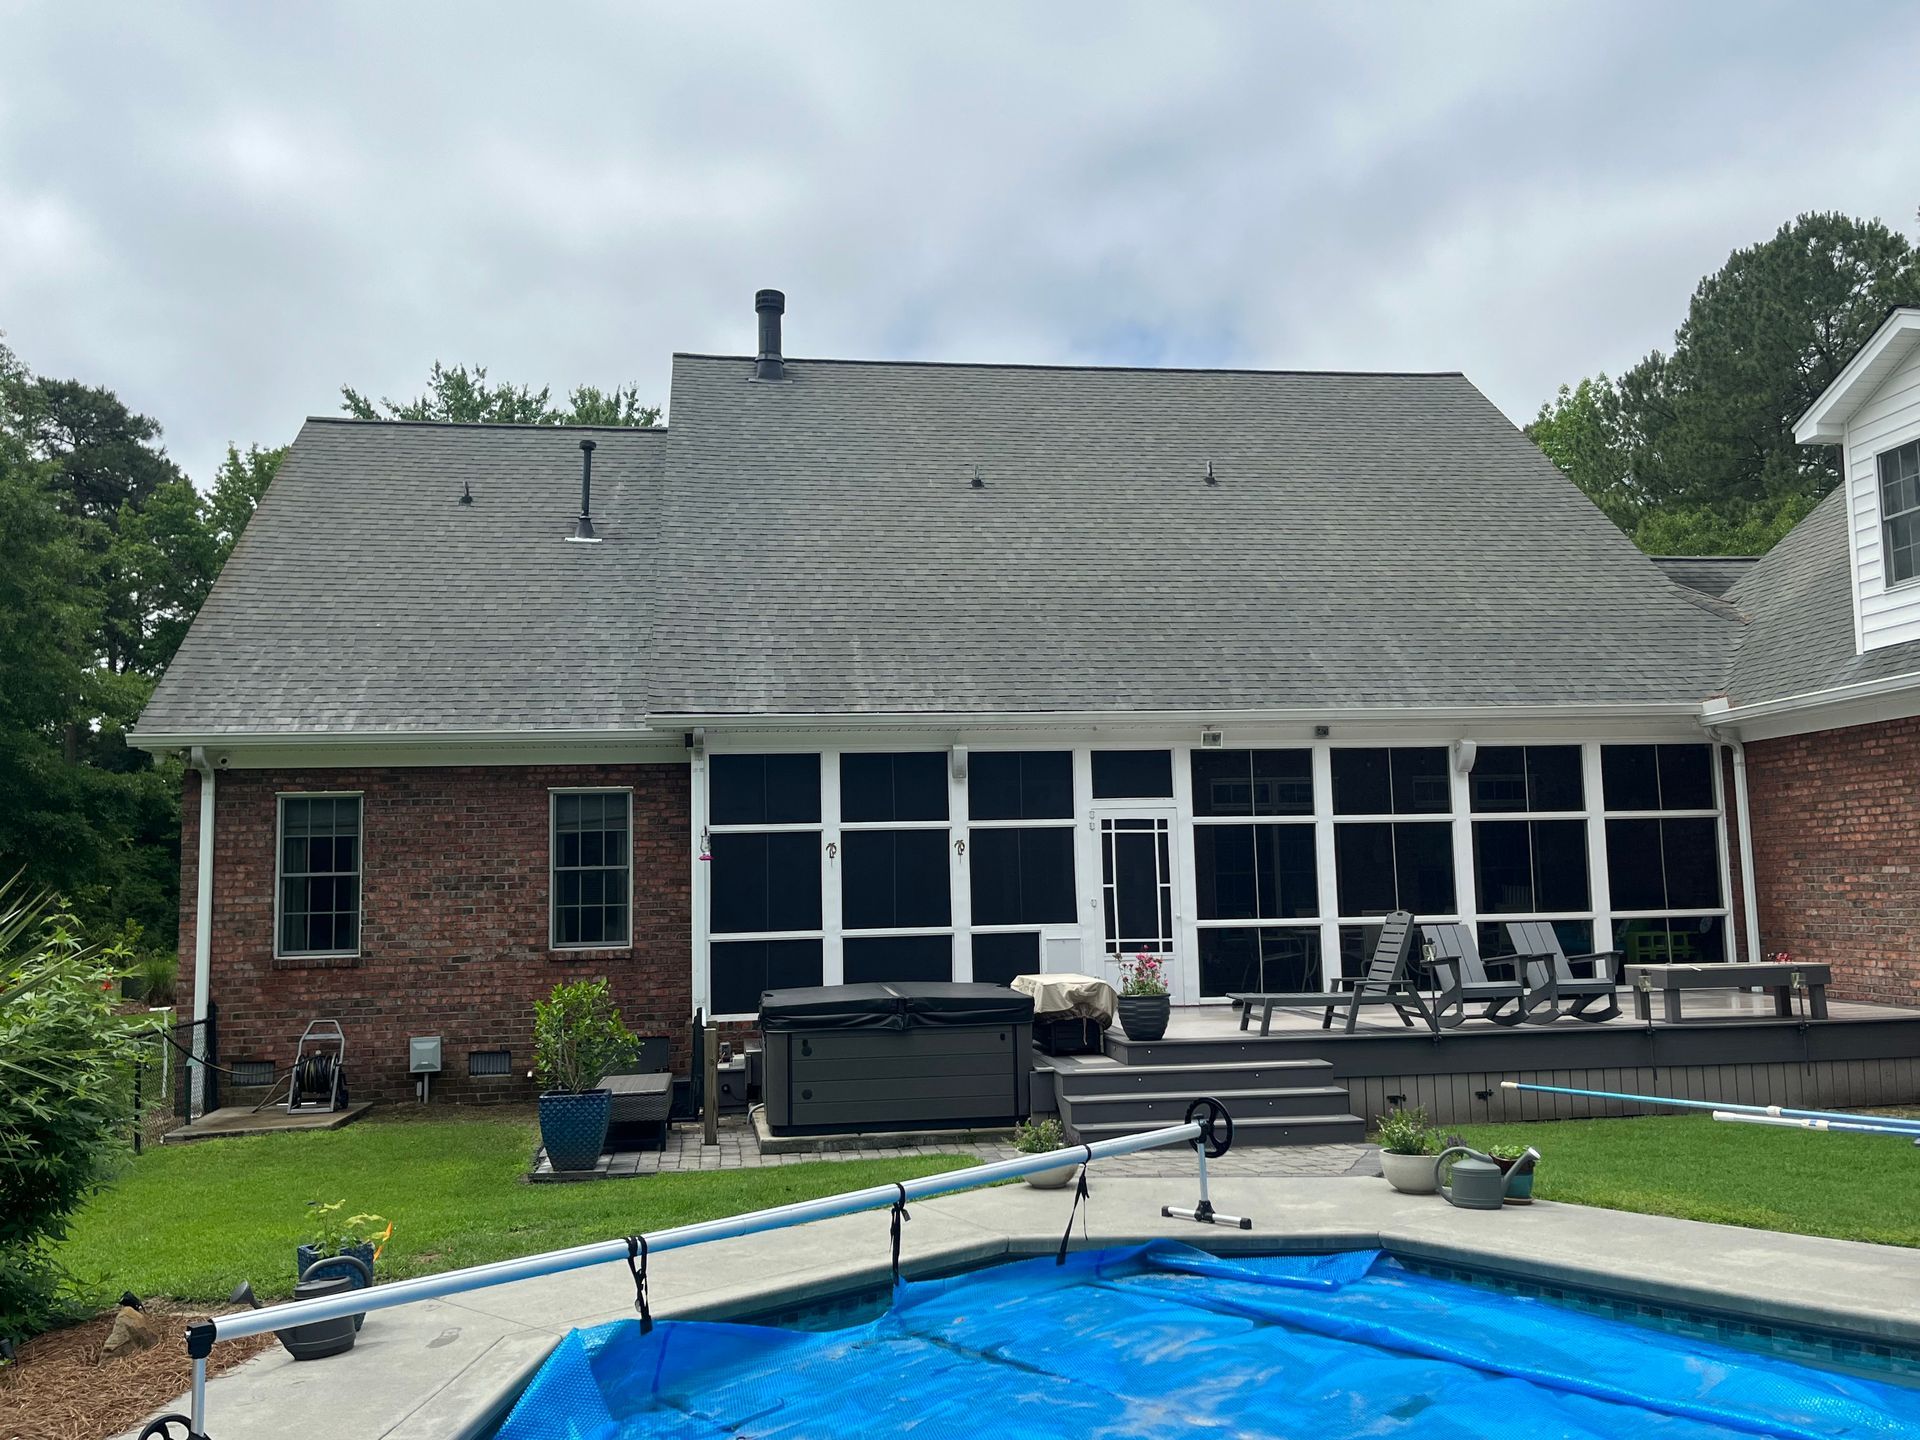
{"points": [[894, 1006]]}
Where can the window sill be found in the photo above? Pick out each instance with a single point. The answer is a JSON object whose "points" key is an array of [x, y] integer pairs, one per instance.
{"points": [[589, 952], [317, 962]]}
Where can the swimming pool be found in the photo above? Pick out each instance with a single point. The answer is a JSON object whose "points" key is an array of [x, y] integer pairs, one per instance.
{"points": [[1167, 1341]]}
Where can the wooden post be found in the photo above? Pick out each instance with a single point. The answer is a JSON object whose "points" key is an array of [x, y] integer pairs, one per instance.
{"points": [[710, 1086]]}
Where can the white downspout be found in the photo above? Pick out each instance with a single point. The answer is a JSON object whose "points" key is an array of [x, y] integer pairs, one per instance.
{"points": [[202, 932], [1749, 897]]}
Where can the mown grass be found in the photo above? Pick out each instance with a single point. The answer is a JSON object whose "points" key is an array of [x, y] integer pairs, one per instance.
{"points": [[192, 1221], [1850, 1187]]}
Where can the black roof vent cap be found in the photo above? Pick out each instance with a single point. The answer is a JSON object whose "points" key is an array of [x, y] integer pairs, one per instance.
{"points": [[583, 527], [769, 305]]}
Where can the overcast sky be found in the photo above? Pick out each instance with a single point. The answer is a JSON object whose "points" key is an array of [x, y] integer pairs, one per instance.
{"points": [[224, 211]]}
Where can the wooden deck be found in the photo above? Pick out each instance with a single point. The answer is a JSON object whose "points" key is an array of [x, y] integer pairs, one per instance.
{"points": [[1736, 1049]]}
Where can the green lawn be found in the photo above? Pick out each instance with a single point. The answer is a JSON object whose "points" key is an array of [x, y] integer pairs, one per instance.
{"points": [[1852, 1187], [191, 1221]]}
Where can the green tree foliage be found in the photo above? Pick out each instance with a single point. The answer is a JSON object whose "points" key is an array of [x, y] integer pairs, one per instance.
{"points": [[64, 1082], [110, 551], [463, 395], [1692, 452]]}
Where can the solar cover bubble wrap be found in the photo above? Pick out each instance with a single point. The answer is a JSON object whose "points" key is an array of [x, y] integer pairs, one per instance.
{"points": [[1165, 1341]]}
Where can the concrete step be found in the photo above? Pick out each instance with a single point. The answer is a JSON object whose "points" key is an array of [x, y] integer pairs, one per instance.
{"points": [[1261, 1131], [1170, 1107], [1115, 1079]]}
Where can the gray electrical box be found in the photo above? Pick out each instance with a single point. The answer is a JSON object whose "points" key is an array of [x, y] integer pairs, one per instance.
{"points": [[423, 1055]]}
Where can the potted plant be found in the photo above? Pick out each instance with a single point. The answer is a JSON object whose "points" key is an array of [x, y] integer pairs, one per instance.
{"points": [[1144, 1003], [1040, 1137], [330, 1235], [577, 1038], [1519, 1186], [1408, 1148]]}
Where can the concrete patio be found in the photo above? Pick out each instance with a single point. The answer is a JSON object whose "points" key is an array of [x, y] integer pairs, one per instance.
{"points": [[433, 1370]]}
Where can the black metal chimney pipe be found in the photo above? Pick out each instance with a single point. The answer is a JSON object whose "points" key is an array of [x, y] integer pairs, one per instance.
{"points": [[583, 528], [770, 306]]}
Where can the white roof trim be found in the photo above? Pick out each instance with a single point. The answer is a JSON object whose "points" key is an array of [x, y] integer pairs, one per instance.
{"points": [[1825, 422], [1716, 713], [158, 741]]}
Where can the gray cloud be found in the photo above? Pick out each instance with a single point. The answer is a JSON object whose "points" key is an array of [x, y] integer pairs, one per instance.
{"points": [[224, 211]]}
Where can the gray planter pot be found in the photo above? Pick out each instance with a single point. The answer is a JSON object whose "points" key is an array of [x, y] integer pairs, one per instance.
{"points": [[574, 1127], [1410, 1174], [1144, 1017]]}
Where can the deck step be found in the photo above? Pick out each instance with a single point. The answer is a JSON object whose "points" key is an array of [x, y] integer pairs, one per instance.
{"points": [[1170, 1107], [1260, 1131], [1204, 1050], [1115, 1079]]}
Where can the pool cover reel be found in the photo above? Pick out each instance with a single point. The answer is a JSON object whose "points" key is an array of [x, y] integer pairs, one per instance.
{"points": [[1165, 1341]]}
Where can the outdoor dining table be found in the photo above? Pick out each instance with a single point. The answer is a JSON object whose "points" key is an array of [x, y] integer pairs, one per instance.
{"points": [[1783, 978]]}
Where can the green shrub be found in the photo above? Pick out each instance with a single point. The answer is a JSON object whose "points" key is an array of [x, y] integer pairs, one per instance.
{"points": [[578, 1036], [65, 1093], [1404, 1130], [155, 973], [1038, 1137]]}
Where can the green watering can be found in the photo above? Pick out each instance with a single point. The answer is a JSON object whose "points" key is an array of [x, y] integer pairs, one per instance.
{"points": [[1477, 1180]]}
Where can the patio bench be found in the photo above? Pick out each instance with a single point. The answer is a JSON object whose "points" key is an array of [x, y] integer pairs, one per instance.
{"points": [[1782, 979]]}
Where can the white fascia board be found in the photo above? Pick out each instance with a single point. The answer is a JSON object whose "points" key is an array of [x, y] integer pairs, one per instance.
{"points": [[1100, 719], [1892, 697], [1825, 422], [253, 751]]}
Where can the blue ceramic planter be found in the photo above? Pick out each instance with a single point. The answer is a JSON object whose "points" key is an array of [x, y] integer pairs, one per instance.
{"points": [[574, 1127]]}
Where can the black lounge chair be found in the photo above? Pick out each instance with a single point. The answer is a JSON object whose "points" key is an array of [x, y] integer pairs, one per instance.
{"points": [[1455, 956], [1387, 981], [1585, 997]]}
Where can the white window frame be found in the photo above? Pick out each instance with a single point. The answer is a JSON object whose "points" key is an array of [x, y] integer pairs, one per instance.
{"points": [[359, 873], [1596, 866], [554, 792], [1316, 922], [1730, 947], [834, 874], [1888, 517]]}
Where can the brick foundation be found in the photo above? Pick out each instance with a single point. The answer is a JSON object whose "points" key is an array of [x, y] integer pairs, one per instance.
{"points": [[454, 920], [1836, 838]]}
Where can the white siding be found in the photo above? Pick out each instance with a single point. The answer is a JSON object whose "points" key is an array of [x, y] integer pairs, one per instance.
{"points": [[1891, 418]]}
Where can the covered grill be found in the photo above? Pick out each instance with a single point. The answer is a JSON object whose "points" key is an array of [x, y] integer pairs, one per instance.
{"points": [[902, 1056]]}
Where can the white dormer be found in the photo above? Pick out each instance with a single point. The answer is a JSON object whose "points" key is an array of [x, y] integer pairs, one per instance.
{"points": [[1873, 410]]}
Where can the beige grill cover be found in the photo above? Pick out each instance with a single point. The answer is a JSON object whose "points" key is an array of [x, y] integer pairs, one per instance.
{"points": [[1086, 996]]}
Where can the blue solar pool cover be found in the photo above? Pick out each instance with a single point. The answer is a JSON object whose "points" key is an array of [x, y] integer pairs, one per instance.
{"points": [[1165, 1341]]}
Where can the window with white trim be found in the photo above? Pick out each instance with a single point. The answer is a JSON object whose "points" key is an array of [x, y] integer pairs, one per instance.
{"points": [[763, 890], [1900, 512], [1255, 870], [1663, 853], [590, 899], [318, 894]]}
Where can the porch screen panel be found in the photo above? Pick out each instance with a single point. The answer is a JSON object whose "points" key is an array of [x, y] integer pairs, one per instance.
{"points": [[997, 958], [1255, 869], [898, 957], [1019, 856], [319, 875], [1382, 861], [1663, 830], [764, 909]]}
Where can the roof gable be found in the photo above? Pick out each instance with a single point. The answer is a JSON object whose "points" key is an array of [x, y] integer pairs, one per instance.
{"points": [[1825, 422]]}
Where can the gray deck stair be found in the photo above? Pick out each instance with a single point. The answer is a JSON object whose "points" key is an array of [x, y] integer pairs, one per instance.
{"points": [[1273, 1100]]}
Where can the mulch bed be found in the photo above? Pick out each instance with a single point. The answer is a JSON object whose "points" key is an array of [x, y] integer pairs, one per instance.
{"points": [[60, 1388]]}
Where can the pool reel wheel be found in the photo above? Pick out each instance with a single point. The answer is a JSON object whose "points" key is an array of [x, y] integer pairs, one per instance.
{"points": [[1213, 1141]]}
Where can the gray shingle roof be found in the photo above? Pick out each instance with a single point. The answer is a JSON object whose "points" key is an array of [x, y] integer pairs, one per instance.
{"points": [[1372, 540], [1709, 574], [1800, 600], [364, 598]]}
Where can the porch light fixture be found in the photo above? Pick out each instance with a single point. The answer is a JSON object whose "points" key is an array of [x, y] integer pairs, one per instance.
{"points": [[1464, 753]]}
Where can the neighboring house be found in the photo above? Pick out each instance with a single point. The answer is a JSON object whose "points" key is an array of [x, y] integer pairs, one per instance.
{"points": [[881, 670]]}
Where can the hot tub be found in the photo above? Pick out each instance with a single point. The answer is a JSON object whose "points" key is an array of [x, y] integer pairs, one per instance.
{"points": [[904, 1056]]}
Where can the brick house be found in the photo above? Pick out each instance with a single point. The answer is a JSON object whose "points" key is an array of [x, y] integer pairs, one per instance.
{"points": [[875, 670]]}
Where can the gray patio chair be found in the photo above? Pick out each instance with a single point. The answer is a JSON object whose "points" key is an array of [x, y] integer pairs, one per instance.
{"points": [[1455, 956], [642, 1088], [1585, 997], [1388, 981]]}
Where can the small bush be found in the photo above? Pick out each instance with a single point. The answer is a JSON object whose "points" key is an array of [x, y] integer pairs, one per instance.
{"points": [[1038, 1137], [65, 1093], [578, 1036], [1404, 1130]]}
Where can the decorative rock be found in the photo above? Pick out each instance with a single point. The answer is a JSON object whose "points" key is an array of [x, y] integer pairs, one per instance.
{"points": [[131, 1331]]}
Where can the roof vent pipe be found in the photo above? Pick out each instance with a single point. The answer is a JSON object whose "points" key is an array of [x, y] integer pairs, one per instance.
{"points": [[583, 528], [770, 305]]}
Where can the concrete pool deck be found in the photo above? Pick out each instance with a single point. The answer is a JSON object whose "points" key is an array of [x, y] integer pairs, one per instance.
{"points": [[435, 1370]]}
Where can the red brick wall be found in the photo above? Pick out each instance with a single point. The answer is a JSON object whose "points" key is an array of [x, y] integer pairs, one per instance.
{"points": [[453, 919], [1836, 837]]}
